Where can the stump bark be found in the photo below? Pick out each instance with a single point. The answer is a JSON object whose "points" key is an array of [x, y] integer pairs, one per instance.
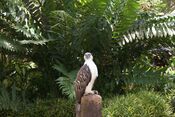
{"points": [[91, 106]]}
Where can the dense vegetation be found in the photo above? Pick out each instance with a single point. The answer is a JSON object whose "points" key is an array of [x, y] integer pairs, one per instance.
{"points": [[142, 104], [42, 43]]}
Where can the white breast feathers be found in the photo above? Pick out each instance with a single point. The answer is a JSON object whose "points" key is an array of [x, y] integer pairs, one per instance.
{"points": [[94, 75], [93, 68]]}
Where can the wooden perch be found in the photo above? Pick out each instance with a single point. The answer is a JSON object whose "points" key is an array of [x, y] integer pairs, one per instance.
{"points": [[91, 106]]}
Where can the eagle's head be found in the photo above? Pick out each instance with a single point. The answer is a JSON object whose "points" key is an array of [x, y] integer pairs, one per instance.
{"points": [[88, 56]]}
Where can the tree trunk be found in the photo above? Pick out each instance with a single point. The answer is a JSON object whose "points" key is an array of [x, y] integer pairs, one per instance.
{"points": [[91, 106]]}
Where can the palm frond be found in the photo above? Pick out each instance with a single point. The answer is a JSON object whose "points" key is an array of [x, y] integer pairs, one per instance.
{"points": [[121, 14], [35, 11], [10, 44], [66, 84], [37, 42], [156, 27]]}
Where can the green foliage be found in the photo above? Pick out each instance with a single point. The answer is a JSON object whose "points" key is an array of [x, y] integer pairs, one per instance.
{"points": [[19, 25], [127, 10], [170, 96], [143, 72], [52, 108], [153, 6], [9, 102], [144, 103], [66, 82], [25, 75], [43, 108], [10, 44], [78, 26], [34, 8], [19, 18]]}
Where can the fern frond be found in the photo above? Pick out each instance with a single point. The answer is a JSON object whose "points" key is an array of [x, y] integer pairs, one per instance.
{"points": [[18, 17], [61, 68], [66, 82]]}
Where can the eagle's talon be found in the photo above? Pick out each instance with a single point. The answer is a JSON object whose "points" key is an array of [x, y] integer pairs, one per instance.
{"points": [[95, 92], [86, 94]]}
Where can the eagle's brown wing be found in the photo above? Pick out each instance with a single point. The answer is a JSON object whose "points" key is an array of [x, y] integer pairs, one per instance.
{"points": [[82, 80]]}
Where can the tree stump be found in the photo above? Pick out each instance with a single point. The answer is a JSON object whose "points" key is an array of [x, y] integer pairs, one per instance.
{"points": [[91, 106]]}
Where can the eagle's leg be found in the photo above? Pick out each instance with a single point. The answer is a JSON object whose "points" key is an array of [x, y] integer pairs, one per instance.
{"points": [[89, 87]]}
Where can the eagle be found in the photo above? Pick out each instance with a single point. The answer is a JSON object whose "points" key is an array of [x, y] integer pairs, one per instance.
{"points": [[85, 79]]}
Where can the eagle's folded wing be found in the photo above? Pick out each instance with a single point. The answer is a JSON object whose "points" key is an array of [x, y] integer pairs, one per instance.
{"points": [[82, 80]]}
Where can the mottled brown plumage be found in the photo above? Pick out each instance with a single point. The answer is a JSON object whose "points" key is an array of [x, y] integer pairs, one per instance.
{"points": [[82, 80]]}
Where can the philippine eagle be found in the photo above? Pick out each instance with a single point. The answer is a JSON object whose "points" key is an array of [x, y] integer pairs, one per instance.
{"points": [[85, 79]]}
